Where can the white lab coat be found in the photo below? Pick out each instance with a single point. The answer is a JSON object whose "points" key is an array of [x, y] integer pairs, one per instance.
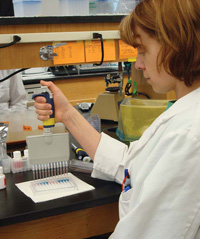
{"points": [[12, 91], [164, 167]]}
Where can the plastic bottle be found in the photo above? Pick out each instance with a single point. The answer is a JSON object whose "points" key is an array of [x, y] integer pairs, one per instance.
{"points": [[2, 179], [17, 165], [25, 159]]}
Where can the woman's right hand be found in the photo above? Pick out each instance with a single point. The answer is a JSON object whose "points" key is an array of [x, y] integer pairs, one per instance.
{"points": [[79, 127], [61, 104]]}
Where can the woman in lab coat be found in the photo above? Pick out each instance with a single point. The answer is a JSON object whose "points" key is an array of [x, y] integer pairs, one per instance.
{"points": [[12, 91], [161, 195]]}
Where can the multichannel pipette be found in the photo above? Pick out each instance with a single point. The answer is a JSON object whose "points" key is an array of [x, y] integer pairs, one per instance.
{"points": [[48, 153]]}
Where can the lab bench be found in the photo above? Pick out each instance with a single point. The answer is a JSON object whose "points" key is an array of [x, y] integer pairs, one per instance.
{"points": [[78, 216]]}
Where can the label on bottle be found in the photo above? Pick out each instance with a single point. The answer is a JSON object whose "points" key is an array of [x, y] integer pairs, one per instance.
{"points": [[2, 181]]}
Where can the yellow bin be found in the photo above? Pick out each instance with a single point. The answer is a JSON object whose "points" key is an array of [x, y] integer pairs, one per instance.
{"points": [[136, 115]]}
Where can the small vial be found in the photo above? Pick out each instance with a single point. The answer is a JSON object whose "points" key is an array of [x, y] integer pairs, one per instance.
{"points": [[65, 166], [2, 179], [54, 169], [45, 170], [49, 170], [36, 172], [51, 166], [17, 162], [33, 169], [61, 168], [58, 168], [42, 169]]}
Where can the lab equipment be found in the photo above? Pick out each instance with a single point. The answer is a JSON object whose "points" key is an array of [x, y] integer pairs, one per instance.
{"points": [[17, 163], [84, 162], [49, 169], [4, 158], [25, 159], [80, 153], [107, 103], [2, 179], [3, 136], [6, 164], [27, 8], [57, 184], [20, 163], [85, 106], [136, 115], [48, 151], [80, 166]]}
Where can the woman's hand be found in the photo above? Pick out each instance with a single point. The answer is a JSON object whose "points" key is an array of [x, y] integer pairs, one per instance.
{"points": [[79, 127], [61, 104]]}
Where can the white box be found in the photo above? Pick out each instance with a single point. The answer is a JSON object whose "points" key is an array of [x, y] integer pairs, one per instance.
{"points": [[74, 7], [27, 8]]}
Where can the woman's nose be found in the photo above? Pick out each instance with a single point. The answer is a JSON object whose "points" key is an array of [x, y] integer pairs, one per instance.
{"points": [[139, 65]]}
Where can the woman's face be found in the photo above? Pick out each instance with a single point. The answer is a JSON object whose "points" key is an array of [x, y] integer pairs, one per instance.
{"points": [[148, 50]]}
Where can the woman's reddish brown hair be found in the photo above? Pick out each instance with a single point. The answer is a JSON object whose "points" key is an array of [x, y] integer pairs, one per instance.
{"points": [[175, 24]]}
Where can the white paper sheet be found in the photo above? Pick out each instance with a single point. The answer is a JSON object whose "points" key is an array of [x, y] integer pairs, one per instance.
{"points": [[26, 189]]}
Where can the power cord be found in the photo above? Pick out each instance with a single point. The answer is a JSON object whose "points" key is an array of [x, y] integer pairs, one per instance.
{"points": [[95, 36], [15, 40], [14, 73]]}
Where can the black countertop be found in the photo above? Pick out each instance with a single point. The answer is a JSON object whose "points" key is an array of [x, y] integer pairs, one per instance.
{"points": [[17, 207]]}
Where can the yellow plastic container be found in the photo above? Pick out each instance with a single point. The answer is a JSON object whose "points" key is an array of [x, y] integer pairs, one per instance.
{"points": [[136, 115]]}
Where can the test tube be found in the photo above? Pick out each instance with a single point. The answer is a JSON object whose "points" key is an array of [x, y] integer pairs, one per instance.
{"points": [[36, 171], [58, 168], [33, 169], [65, 167], [45, 170], [42, 169], [49, 169], [54, 168], [61, 168], [39, 169]]}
